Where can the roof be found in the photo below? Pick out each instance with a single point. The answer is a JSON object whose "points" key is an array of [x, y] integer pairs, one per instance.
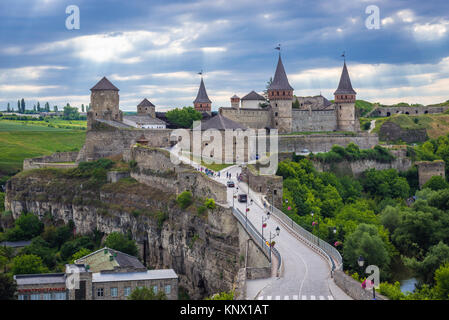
{"points": [[345, 86], [253, 95], [280, 81], [112, 123], [43, 278], [99, 260], [130, 276], [104, 84], [235, 97], [202, 97], [145, 103], [145, 119], [220, 122], [15, 244]]}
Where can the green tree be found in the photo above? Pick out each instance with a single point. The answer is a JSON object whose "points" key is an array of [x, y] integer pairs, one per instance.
{"points": [[436, 183], [183, 117], [442, 282], [79, 254], [28, 264], [118, 241], [439, 199], [222, 296], [70, 113], [426, 268], [8, 287], [26, 227], [22, 106], [365, 241], [41, 248], [146, 294]]}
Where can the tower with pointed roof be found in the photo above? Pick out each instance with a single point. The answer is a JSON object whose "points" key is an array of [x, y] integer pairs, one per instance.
{"points": [[146, 108], [104, 101], [202, 102], [345, 97], [280, 94]]}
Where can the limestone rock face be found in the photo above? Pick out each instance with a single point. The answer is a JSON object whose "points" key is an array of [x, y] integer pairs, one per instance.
{"points": [[202, 249]]}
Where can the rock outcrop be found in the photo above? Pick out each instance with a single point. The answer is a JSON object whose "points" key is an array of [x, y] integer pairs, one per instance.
{"points": [[203, 249]]}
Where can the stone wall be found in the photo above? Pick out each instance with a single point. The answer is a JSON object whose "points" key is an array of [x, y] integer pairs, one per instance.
{"points": [[356, 168], [428, 169], [354, 288], [250, 118], [269, 185], [109, 141], [114, 176], [389, 111], [314, 120], [56, 160], [390, 131], [324, 142]]}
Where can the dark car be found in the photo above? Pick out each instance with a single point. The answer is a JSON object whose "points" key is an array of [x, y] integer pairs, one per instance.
{"points": [[242, 198], [230, 184]]}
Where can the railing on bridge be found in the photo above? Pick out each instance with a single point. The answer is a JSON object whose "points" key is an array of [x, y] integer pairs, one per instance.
{"points": [[256, 236], [333, 255]]}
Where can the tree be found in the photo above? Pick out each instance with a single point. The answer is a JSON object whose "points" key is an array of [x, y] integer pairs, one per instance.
{"points": [[26, 227], [365, 241], [183, 117], [222, 296], [41, 248], [425, 269], [185, 199], [146, 294], [8, 109], [22, 106], [119, 242], [28, 264], [38, 106], [18, 106], [82, 107], [47, 107], [81, 253], [55, 108], [70, 113], [436, 183], [8, 287], [442, 282]]}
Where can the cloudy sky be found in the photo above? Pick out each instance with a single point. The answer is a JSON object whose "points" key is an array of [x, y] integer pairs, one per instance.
{"points": [[154, 49]]}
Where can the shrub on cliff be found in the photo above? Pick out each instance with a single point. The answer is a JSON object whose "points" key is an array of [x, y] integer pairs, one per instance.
{"points": [[26, 227], [185, 199], [210, 203], [118, 241]]}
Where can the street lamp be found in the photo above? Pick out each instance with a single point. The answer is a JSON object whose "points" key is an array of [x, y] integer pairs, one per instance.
{"points": [[263, 223], [361, 261], [272, 236]]}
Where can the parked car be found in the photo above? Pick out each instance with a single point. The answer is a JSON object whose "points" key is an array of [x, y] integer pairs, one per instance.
{"points": [[305, 151], [242, 198], [230, 184]]}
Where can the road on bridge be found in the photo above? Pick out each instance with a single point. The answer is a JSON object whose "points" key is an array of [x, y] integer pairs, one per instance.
{"points": [[305, 275]]}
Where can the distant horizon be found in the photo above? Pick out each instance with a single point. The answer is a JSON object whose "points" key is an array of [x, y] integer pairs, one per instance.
{"points": [[155, 49]]}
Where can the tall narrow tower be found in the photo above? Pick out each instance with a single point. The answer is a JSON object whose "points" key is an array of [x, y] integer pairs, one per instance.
{"points": [[345, 103], [202, 102], [280, 94], [235, 102], [104, 100]]}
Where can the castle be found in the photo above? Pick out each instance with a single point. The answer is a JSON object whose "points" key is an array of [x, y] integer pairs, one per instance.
{"points": [[279, 109]]}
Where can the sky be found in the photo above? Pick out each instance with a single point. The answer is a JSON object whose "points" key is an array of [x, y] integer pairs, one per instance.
{"points": [[155, 49]]}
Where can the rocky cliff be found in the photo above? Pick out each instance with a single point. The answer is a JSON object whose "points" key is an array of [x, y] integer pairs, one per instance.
{"points": [[203, 249]]}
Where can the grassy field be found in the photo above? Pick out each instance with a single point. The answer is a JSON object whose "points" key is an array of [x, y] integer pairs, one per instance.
{"points": [[19, 141], [55, 123]]}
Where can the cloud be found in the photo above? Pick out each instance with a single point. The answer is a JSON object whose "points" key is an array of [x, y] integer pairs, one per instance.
{"points": [[431, 31], [25, 88], [12, 75]]}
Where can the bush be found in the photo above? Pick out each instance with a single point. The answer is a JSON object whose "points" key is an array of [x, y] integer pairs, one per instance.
{"points": [[391, 291], [185, 199], [28, 264], [119, 242], [146, 294], [27, 226], [436, 183], [210, 203], [201, 210]]}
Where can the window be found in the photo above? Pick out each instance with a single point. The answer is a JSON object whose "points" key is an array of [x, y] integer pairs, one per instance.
{"points": [[46, 296], [168, 289], [60, 296], [35, 296], [100, 292], [127, 291], [114, 292], [22, 297], [154, 289]]}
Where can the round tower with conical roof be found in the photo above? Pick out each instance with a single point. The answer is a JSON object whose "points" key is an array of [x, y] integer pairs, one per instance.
{"points": [[345, 97], [280, 94], [104, 101]]}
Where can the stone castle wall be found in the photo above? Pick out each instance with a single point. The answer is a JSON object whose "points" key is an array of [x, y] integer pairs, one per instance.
{"points": [[428, 169], [413, 111], [324, 142], [314, 120], [56, 160], [110, 141], [250, 118]]}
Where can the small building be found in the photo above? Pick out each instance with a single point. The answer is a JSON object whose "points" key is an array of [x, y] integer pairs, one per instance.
{"points": [[105, 274], [252, 100], [144, 122], [429, 169]]}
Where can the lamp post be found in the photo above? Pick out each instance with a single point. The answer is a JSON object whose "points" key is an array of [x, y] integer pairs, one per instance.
{"points": [[236, 191], [263, 222], [272, 236]]}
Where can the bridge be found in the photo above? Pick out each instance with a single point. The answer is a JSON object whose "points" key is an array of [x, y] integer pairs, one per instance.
{"points": [[304, 263]]}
